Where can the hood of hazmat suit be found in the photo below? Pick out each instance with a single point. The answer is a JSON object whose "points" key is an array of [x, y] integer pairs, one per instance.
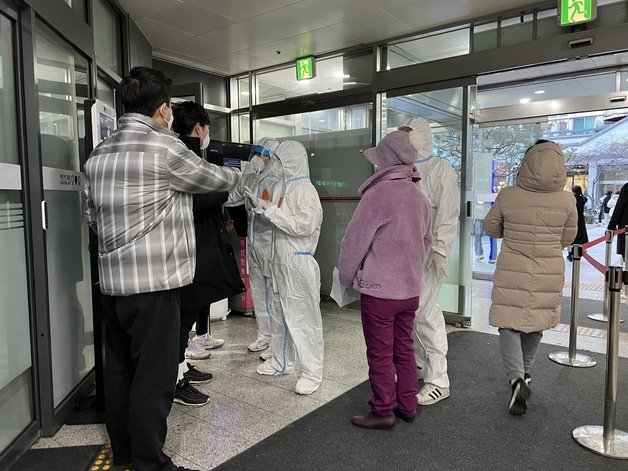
{"points": [[439, 183]]}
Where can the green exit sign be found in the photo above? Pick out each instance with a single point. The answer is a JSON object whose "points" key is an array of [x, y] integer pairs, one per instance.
{"points": [[573, 12], [306, 68]]}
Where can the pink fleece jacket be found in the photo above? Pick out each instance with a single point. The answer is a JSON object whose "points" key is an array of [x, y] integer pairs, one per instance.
{"points": [[383, 251]]}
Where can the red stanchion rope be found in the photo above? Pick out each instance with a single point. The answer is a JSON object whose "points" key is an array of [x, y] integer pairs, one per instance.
{"points": [[597, 265]]}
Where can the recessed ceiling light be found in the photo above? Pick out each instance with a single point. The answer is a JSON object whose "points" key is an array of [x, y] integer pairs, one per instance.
{"points": [[539, 92], [523, 101]]}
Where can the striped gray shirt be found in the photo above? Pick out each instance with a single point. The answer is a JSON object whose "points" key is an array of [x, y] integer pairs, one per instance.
{"points": [[139, 193]]}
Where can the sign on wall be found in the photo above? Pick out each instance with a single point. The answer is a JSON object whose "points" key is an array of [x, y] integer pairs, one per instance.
{"points": [[572, 12]]}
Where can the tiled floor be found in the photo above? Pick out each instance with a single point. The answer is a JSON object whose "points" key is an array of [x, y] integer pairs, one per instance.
{"points": [[246, 407]]}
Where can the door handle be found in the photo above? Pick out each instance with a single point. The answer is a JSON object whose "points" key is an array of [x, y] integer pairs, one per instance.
{"points": [[44, 215]]}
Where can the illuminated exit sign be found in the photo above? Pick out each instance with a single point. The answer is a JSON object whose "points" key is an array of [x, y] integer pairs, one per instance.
{"points": [[306, 68], [573, 12]]}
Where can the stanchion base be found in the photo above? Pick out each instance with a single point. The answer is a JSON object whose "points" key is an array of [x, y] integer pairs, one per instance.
{"points": [[601, 318], [592, 438], [579, 360]]}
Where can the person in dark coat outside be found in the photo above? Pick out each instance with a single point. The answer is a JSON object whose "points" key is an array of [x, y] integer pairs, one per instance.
{"points": [[582, 237], [619, 219]]}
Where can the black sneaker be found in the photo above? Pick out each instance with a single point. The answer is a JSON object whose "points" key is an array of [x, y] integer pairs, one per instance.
{"points": [[181, 468], [527, 378], [196, 376], [521, 392], [188, 395]]}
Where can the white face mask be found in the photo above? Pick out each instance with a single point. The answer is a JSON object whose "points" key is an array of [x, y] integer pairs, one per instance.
{"points": [[205, 143]]}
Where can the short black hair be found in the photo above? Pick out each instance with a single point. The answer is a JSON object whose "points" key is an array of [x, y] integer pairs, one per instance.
{"points": [[186, 115], [538, 141], [144, 90]]}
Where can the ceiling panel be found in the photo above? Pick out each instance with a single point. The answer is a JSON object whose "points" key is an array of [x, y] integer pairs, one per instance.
{"points": [[239, 10], [439, 13], [320, 41], [190, 18], [369, 29], [161, 35], [142, 8]]}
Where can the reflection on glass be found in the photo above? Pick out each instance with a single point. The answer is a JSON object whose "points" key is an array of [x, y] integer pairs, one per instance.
{"points": [[106, 93], [106, 32], [243, 92], [332, 74], [335, 140], [443, 110], [15, 346], [429, 48], [62, 80]]}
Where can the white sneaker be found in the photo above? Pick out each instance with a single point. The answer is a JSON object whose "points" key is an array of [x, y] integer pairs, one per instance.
{"points": [[195, 352], [267, 370], [258, 345], [266, 355], [306, 386], [208, 342], [431, 394]]}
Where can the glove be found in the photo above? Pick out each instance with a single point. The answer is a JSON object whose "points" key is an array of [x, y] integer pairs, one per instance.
{"points": [[439, 262], [255, 201]]}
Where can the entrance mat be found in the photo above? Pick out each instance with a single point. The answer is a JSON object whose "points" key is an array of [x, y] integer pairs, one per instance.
{"points": [[72, 458], [590, 306], [471, 430]]}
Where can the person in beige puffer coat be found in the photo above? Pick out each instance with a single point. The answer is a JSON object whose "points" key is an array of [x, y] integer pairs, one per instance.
{"points": [[536, 219]]}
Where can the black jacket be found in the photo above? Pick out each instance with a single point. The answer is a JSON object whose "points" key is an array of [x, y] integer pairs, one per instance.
{"points": [[619, 219], [217, 274], [582, 236]]}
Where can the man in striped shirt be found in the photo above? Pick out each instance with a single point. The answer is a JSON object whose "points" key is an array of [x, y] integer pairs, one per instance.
{"points": [[139, 190]]}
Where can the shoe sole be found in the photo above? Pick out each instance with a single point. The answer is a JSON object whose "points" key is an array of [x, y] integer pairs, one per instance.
{"points": [[194, 381], [254, 350], [431, 401], [189, 404], [518, 400]]}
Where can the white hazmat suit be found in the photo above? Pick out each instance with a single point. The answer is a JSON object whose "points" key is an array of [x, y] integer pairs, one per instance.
{"points": [[266, 180], [439, 184], [297, 324]]}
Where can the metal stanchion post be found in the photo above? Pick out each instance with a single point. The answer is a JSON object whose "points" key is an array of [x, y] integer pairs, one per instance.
{"points": [[603, 316], [572, 358], [606, 440]]}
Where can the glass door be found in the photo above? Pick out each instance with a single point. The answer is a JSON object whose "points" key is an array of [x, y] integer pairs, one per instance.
{"points": [[445, 110], [62, 81], [16, 376]]}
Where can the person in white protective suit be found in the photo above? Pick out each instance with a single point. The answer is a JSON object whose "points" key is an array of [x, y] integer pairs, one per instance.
{"points": [[297, 324], [439, 184], [263, 175]]}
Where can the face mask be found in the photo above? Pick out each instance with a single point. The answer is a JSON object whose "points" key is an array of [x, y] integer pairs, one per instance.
{"points": [[170, 121], [205, 143], [256, 164]]}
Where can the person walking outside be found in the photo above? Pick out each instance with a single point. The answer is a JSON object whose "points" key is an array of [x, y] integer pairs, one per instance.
{"points": [[537, 219]]}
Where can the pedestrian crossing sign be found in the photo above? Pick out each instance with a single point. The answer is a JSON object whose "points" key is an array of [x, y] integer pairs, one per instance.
{"points": [[573, 12]]}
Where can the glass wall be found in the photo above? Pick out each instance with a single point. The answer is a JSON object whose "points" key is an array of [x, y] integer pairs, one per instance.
{"points": [[335, 140], [62, 80], [16, 410], [443, 109]]}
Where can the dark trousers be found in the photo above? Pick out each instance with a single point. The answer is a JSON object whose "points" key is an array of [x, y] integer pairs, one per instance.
{"points": [[140, 373], [188, 318], [202, 322], [387, 325]]}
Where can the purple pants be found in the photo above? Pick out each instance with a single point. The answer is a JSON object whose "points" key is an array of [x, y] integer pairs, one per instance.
{"points": [[387, 325]]}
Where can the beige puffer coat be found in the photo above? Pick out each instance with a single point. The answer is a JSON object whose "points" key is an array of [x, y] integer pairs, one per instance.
{"points": [[537, 219]]}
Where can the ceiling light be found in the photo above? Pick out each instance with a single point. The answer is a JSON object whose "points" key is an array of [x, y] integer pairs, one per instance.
{"points": [[523, 101], [539, 92], [321, 120]]}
